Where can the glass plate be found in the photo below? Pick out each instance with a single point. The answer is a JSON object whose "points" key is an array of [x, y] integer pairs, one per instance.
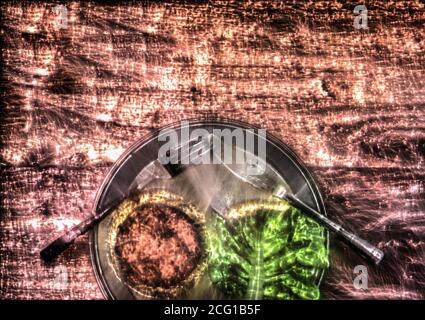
{"points": [[196, 186]]}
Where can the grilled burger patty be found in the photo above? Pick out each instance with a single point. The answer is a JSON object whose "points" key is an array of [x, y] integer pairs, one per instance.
{"points": [[158, 246]]}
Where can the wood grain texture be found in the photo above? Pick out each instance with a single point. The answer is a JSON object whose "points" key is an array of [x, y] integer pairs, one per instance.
{"points": [[350, 102]]}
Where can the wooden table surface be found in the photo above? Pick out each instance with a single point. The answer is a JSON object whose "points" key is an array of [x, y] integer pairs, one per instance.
{"points": [[350, 102]]}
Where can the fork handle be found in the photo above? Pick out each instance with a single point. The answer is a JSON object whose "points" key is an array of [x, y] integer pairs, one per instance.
{"points": [[367, 248]]}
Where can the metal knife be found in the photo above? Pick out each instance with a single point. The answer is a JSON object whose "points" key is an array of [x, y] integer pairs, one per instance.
{"points": [[153, 171]]}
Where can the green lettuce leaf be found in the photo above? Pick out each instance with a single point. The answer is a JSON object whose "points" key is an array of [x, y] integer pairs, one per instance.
{"points": [[266, 253]]}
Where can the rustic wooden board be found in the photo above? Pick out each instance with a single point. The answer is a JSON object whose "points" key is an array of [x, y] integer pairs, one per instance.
{"points": [[350, 102]]}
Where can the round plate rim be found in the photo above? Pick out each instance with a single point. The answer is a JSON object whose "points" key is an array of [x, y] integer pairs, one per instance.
{"points": [[301, 166]]}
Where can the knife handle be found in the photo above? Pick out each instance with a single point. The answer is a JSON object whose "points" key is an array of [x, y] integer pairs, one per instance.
{"points": [[367, 248], [56, 247]]}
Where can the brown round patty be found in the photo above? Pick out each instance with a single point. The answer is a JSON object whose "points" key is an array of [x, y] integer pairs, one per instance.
{"points": [[158, 246]]}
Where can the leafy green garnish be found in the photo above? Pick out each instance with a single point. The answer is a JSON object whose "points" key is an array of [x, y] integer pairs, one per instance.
{"points": [[270, 251]]}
